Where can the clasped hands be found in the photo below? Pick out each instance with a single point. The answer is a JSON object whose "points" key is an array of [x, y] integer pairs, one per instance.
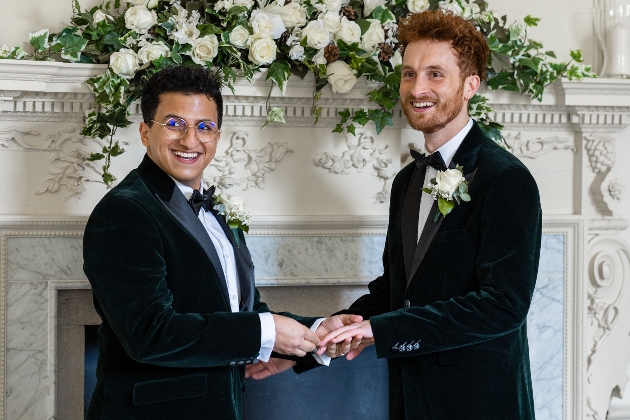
{"points": [[336, 336]]}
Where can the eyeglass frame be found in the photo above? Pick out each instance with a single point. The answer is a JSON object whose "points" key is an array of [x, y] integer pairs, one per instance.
{"points": [[188, 126]]}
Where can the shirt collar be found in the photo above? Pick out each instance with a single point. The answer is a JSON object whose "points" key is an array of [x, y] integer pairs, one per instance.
{"points": [[185, 189], [449, 148]]}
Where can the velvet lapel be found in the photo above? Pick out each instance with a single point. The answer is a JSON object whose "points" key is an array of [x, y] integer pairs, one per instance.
{"points": [[409, 218], [175, 203], [466, 156]]}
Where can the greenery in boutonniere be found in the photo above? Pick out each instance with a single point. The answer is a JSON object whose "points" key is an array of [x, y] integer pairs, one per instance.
{"points": [[337, 40], [448, 188], [233, 208]]}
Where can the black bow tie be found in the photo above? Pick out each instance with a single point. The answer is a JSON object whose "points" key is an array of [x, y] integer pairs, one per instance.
{"points": [[434, 160], [198, 200]]}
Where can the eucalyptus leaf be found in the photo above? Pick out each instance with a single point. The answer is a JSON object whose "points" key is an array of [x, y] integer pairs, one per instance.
{"points": [[445, 206]]}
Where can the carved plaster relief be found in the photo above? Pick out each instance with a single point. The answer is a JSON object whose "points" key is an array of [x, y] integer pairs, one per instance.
{"points": [[533, 148], [607, 189], [362, 150], [69, 161], [258, 162], [608, 323]]}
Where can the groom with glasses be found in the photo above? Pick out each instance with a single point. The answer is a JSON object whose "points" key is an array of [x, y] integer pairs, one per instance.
{"points": [[174, 287]]}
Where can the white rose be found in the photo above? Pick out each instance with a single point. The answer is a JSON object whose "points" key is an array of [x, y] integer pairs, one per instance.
{"points": [[296, 52], [267, 24], [417, 6], [453, 7], [373, 36], [332, 21], [239, 36], [319, 57], [186, 33], [153, 51], [100, 16], [332, 5], [317, 36], [140, 19], [233, 202], [124, 63], [471, 10], [341, 77], [396, 59], [370, 5], [262, 49], [244, 3], [448, 181], [349, 31], [293, 14], [205, 49]]}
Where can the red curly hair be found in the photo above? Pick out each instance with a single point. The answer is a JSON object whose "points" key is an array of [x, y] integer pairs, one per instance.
{"points": [[442, 25]]}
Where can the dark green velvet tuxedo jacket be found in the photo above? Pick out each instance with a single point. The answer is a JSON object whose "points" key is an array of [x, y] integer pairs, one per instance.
{"points": [[169, 346], [450, 313]]}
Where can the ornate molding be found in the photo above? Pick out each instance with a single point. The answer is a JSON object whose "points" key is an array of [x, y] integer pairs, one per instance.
{"points": [[69, 161], [608, 224], [362, 149], [258, 162], [601, 151], [533, 148], [608, 299]]}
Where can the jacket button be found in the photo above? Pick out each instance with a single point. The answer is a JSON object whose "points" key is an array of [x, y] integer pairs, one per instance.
{"points": [[395, 349], [407, 304]]}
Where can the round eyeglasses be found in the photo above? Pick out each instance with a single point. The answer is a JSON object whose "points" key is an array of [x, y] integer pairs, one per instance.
{"points": [[176, 128]]}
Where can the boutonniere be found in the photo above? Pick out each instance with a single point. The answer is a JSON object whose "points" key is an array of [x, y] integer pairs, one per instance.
{"points": [[233, 209], [448, 188]]}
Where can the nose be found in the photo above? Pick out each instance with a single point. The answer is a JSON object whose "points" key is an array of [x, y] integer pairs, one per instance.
{"points": [[189, 140], [418, 87]]}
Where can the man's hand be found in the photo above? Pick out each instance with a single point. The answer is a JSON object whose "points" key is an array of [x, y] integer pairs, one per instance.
{"points": [[262, 370], [334, 323], [293, 338], [361, 332]]}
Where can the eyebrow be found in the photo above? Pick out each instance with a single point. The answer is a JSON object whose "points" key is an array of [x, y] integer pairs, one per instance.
{"points": [[182, 118], [430, 68]]}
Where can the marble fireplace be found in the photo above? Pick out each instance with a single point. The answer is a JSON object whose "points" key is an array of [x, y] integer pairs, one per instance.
{"points": [[318, 224]]}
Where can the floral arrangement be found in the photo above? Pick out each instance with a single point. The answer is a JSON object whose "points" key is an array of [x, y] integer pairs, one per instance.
{"points": [[233, 209], [449, 187], [337, 40]]}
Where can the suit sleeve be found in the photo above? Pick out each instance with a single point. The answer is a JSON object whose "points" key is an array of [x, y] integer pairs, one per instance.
{"points": [[124, 261], [506, 270]]}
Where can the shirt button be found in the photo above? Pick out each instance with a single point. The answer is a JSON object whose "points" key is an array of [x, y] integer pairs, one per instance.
{"points": [[233, 297], [407, 304]]}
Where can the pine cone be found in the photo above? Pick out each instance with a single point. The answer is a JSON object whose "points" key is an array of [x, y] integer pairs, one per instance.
{"points": [[386, 52], [284, 37], [349, 12], [152, 32], [331, 53]]}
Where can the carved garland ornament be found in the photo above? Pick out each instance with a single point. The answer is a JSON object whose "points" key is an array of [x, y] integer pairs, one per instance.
{"points": [[362, 150], [69, 162], [258, 162], [533, 148]]}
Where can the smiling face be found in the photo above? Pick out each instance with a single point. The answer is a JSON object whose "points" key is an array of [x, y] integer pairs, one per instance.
{"points": [[186, 158], [433, 95]]}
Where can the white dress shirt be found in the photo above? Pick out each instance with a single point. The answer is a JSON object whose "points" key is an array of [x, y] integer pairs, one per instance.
{"points": [[225, 252], [447, 151], [224, 249]]}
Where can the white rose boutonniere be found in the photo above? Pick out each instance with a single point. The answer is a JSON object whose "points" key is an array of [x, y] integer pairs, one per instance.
{"points": [[233, 208], [140, 19], [448, 188], [124, 63]]}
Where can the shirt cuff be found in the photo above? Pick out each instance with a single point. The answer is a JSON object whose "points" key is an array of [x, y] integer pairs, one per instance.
{"points": [[267, 336], [322, 359]]}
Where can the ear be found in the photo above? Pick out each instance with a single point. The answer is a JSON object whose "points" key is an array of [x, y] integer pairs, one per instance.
{"points": [[471, 85], [144, 134]]}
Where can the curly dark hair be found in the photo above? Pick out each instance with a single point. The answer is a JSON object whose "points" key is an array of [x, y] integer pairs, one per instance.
{"points": [[188, 80], [442, 25]]}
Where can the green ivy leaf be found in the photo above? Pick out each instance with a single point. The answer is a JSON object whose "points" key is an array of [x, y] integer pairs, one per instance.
{"points": [[279, 72], [531, 21], [116, 150], [577, 56], [445, 206], [39, 40], [363, 24], [361, 117], [208, 29], [383, 14], [345, 115], [351, 129], [338, 129], [95, 156]]}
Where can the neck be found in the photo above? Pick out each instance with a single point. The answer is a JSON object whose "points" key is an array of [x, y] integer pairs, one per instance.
{"points": [[437, 139]]}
